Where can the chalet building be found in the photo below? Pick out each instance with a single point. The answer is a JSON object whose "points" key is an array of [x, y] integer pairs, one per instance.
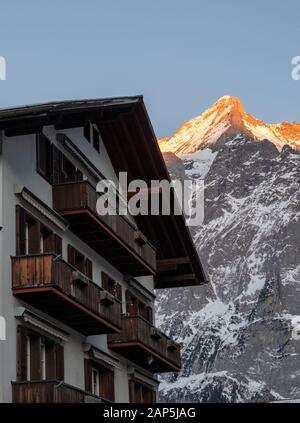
{"points": [[77, 289]]}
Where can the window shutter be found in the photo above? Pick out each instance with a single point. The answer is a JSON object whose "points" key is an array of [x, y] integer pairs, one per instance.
{"points": [[131, 304], [118, 292], [41, 154], [89, 268], [34, 238], [107, 385], [88, 375], [50, 361], [104, 281], [57, 244], [20, 231], [149, 314], [79, 175], [60, 363], [35, 357], [47, 241], [71, 254], [56, 157], [21, 353]]}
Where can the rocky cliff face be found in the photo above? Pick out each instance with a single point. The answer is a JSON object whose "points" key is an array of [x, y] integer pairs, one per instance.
{"points": [[237, 332]]}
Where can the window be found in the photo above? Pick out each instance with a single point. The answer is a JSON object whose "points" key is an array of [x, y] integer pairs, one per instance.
{"points": [[78, 260], [26, 238], [32, 237], [53, 165], [141, 393], [95, 382], [87, 131], [43, 361], [38, 357], [44, 157], [28, 356], [99, 380], [96, 139], [136, 307], [111, 286]]}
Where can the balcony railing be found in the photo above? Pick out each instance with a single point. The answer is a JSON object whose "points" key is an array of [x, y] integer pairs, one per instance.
{"points": [[145, 345], [50, 392], [54, 286], [112, 236]]}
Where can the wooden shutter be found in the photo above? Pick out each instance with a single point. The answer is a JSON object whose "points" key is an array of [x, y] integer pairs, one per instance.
{"points": [[107, 384], [60, 362], [50, 361], [89, 268], [88, 375], [34, 234], [79, 175], [118, 292], [57, 244], [53, 244], [71, 255], [35, 357], [149, 314], [47, 241], [104, 281], [21, 353], [20, 231], [131, 304], [56, 158]]}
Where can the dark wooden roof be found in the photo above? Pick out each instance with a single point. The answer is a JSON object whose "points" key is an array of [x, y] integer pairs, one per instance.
{"points": [[129, 138]]}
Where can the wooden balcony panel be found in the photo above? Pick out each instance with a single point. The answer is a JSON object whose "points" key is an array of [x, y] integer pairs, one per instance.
{"points": [[141, 344], [50, 392], [47, 283], [112, 236]]}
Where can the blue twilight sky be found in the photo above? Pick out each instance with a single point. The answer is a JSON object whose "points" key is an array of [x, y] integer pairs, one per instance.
{"points": [[181, 55]]}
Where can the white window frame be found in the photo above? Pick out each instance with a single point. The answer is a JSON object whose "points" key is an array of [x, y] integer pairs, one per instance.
{"points": [[26, 237], [28, 357], [95, 383], [43, 361]]}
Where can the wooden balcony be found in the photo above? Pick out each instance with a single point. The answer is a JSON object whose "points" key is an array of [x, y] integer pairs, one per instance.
{"points": [[50, 392], [112, 236], [55, 287], [146, 346]]}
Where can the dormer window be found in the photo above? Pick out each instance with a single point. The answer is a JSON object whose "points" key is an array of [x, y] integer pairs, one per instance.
{"points": [[91, 134]]}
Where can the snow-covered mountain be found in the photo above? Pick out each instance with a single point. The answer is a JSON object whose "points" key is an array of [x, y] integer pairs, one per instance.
{"points": [[224, 119], [237, 331]]}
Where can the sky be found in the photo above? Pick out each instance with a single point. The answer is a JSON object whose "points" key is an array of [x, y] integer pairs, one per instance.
{"points": [[181, 55]]}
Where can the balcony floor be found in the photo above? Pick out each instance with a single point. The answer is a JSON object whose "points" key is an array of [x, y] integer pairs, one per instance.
{"points": [[139, 354], [65, 309], [88, 228]]}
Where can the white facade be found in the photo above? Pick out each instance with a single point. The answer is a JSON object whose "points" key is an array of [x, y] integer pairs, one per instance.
{"points": [[18, 169]]}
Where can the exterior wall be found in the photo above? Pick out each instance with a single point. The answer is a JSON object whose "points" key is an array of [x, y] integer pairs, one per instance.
{"points": [[18, 168]]}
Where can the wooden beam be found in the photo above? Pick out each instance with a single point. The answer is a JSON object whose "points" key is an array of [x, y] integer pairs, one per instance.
{"points": [[171, 264], [176, 278], [145, 192]]}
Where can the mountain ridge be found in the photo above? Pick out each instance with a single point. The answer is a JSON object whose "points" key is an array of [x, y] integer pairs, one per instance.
{"points": [[218, 123], [236, 332]]}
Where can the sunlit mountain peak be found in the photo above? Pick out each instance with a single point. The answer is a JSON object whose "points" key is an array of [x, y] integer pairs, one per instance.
{"points": [[225, 118]]}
